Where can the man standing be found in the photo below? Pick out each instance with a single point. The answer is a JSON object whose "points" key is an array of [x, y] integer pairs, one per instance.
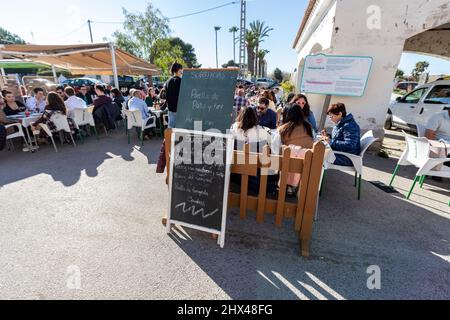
{"points": [[240, 101], [173, 92], [37, 102], [267, 118]]}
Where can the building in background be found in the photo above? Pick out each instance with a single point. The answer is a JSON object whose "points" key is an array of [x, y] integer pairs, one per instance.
{"points": [[381, 29]]}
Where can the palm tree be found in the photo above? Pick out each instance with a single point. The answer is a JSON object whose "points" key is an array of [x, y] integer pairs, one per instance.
{"points": [[261, 31], [250, 40], [233, 30], [217, 28], [261, 58]]}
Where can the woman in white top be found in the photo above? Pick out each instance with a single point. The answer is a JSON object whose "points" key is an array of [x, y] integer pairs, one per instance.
{"points": [[246, 130]]}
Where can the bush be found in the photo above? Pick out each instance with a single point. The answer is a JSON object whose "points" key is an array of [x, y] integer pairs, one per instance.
{"points": [[288, 87]]}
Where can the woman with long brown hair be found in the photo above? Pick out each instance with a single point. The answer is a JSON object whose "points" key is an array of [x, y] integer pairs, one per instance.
{"points": [[55, 105], [302, 101]]}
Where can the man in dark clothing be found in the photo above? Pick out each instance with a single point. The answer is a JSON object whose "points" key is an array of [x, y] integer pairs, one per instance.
{"points": [[267, 118], [173, 92], [85, 95]]}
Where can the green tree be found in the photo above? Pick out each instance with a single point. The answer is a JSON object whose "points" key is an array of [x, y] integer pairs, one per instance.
{"points": [[230, 63], [142, 30], [7, 37], [420, 68], [250, 39], [189, 56], [168, 53], [262, 62], [261, 31], [278, 75], [399, 74], [233, 30]]}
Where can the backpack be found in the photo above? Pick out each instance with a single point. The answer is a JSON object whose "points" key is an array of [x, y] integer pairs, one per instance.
{"points": [[2, 137]]}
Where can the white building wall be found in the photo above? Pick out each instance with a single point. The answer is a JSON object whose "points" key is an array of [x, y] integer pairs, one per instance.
{"points": [[379, 31]]}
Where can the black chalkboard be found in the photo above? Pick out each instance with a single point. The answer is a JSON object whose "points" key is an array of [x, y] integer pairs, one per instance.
{"points": [[199, 179], [206, 95]]}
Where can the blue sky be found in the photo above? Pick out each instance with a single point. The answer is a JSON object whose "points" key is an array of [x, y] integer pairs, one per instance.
{"points": [[59, 22]]}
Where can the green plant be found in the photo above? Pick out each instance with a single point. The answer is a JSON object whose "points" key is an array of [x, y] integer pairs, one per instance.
{"points": [[288, 87]]}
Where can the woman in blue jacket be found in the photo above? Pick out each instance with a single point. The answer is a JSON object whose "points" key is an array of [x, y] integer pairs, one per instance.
{"points": [[346, 134]]}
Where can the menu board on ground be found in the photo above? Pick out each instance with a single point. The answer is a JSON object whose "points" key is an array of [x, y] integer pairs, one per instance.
{"points": [[206, 96], [199, 181], [336, 75]]}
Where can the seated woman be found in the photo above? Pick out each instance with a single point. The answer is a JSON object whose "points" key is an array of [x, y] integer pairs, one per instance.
{"points": [[12, 107], [117, 97], [346, 134], [55, 105], [295, 132], [247, 131], [151, 97], [272, 103], [302, 101]]}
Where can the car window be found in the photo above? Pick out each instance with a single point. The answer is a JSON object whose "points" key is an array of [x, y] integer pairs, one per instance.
{"points": [[439, 95], [415, 96]]}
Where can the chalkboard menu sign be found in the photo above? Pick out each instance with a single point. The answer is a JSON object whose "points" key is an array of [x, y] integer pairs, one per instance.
{"points": [[199, 181], [206, 96]]}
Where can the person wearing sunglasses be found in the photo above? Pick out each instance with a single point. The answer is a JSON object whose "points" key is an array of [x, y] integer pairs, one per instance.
{"points": [[266, 117], [84, 94], [61, 93]]}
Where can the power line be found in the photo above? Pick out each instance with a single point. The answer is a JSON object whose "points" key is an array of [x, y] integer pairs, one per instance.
{"points": [[203, 11], [71, 32], [177, 17]]}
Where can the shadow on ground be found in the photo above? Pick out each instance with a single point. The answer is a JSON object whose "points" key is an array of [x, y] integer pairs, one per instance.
{"points": [[409, 244], [69, 163]]}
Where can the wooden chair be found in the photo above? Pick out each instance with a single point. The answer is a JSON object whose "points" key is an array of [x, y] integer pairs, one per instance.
{"points": [[302, 209]]}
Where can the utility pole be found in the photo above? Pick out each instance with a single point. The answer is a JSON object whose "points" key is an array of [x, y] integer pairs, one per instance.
{"points": [[243, 30], [90, 30], [217, 28]]}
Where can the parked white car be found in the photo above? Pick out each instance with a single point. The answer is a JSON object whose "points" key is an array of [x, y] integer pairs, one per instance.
{"points": [[419, 106], [264, 83]]}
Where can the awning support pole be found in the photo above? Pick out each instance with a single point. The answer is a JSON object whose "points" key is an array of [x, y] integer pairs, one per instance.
{"points": [[54, 74], [114, 65]]}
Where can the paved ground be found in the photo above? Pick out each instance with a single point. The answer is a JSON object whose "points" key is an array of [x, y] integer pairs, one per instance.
{"points": [[98, 208]]}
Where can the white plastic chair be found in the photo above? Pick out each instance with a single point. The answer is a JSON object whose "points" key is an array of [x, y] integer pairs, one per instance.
{"points": [[166, 120], [18, 134], [421, 130], [48, 132], [82, 117], [357, 160], [134, 120], [62, 124], [417, 154]]}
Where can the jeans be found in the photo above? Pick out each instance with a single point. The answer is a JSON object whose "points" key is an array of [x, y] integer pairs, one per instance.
{"points": [[172, 119]]}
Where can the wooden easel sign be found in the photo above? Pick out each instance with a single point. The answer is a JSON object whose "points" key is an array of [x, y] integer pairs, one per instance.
{"points": [[199, 181]]}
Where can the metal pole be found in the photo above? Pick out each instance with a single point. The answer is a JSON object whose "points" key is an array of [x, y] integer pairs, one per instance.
{"points": [[323, 117], [217, 53], [114, 65], [54, 74], [90, 30]]}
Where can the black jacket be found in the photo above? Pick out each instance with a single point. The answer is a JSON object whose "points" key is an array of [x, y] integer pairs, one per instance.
{"points": [[172, 93]]}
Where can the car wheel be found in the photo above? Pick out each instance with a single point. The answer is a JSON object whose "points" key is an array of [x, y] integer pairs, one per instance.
{"points": [[388, 123]]}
